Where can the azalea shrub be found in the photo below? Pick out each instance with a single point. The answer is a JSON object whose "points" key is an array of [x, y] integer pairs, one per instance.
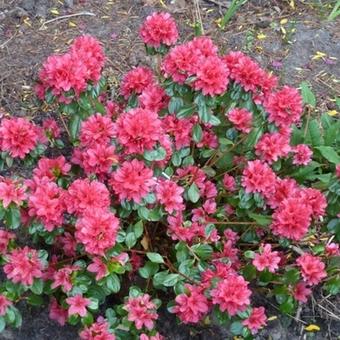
{"points": [[202, 187]]}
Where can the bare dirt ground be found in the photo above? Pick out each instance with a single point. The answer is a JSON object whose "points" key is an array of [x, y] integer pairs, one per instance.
{"points": [[295, 43]]}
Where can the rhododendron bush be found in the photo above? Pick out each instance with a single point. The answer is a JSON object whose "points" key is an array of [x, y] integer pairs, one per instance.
{"points": [[199, 187]]}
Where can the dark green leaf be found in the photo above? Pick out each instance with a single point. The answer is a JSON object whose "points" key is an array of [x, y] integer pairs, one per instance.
{"points": [[329, 153], [307, 94], [197, 133]]}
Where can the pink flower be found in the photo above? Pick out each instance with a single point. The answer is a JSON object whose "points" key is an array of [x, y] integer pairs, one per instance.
{"points": [[57, 313], [18, 136], [153, 98], [180, 129], [232, 294], [141, 311], [46, 203], [229, 182], [23, 266], [256, 320], [11, 192], [192, 305], [5, 238], [337, 171], [97, 159], [68, 244], [84, 194], [283, 188], [258, 177], [62, 73], [77, 305], [4, 303], [100, 330], [63, 278], [315, 199], [332, 249], [244, 71], [241, 118], [99, 267], [212, 77], [302, 155], [89, 50], [181, 62], [138, 130], [97, 129], [132, 181], [157, 336], [284, 107], [52, 168], [170, 195], [267, 259], [312, 268], [272, 146], [136, 80], [97, 231], [301, 292], [51, 128], [159, 28], [204, 46], [180, 230], [291, 219]]}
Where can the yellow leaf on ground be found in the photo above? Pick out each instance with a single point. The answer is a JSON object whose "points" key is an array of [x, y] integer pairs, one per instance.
{"points": [[54, 11], [292, 4], [72, 24], [261, 36], [272, 318], [312, 328], [319, 55], [284, 21], [332, 113]]}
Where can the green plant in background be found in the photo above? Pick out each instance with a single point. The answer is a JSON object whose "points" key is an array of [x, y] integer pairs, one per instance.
{"points": [[233, 8], [335, 11]]}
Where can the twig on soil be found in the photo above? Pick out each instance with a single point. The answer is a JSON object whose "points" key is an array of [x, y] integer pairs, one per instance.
{"points": [[220, 4], [63, 17]]}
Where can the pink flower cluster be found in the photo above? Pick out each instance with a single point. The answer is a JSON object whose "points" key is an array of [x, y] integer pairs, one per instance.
{"points": [[67, 75]]}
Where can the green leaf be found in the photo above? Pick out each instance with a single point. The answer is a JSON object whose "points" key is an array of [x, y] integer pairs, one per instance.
{"points": [[159, 278], [175, 104], [37, 287], [2, 324], [262, 220], [74, 126], [148, 270], [193, 193], [130, 240], [291, 276], [155, 155], [170, 280], [138, 229], [113, 283], [315, 133], [236, 328], [203, 251], [288, 306], [12, 217], [333, 285], [307, 94], [185, 112], [155, 257], [197, 133], [329, 153], [35, 300]]}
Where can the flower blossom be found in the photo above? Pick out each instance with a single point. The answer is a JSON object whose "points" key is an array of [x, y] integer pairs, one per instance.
{"points": [[170, 195], [99, 330], [191, 306], [97, 231], [256, 320], [159, 28], [312, 268], [23, 266], [77, 305], [142, 311], [267, 259], [132, 181]]}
